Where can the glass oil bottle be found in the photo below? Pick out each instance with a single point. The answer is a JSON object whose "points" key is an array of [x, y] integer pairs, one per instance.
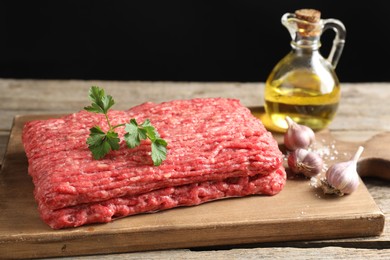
{"points": [[304, 85]]}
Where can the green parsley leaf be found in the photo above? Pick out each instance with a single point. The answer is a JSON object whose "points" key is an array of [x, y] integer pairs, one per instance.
{"points": [[159, 151], [151, 132], [101, 102], [136, 133], [101, 143], [96, 136], [113, 140]]}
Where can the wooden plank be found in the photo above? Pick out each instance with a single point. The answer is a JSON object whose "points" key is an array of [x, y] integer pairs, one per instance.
{"points": [[299, 212], [4, 136], [252, 253]]}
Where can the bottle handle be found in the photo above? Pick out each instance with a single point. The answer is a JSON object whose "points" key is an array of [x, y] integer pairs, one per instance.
{"points": [[291, 27], [339, 40]]}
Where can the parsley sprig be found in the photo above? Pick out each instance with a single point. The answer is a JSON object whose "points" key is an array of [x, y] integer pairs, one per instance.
{"points": [[100, 143]]}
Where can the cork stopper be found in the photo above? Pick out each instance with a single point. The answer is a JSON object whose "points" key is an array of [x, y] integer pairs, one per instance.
{"points": [[310, 22]]}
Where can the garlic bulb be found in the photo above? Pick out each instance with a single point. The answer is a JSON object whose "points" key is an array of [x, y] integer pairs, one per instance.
{"points": [[306, 162], [298, 136], [342, 178]]}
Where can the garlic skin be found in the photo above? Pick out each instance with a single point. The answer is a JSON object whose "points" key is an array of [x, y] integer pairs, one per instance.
{"points": [[298, 136], [306, 162], [342, 178]]}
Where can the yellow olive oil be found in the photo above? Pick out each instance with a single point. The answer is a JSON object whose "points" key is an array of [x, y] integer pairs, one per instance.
{"points": [[304, 97]]}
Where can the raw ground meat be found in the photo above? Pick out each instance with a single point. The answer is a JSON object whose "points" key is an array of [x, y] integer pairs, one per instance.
{"points": [[216, 149]]}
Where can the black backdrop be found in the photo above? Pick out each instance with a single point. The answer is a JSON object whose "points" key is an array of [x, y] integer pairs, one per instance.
{"points": [[236, 40]]}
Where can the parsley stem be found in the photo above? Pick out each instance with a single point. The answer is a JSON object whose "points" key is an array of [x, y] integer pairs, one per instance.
{"points": [[118, 126], [108, 122]]}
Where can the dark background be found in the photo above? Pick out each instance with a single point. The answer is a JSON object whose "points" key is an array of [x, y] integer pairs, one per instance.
{"points": [[179, 40]]}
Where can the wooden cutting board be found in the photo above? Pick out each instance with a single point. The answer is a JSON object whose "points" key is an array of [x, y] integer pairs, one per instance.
{"points": [[299, 212]]}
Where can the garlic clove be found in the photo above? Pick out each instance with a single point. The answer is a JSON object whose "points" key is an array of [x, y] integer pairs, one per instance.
{"points": [[306, 162], [298, 136], [342, 178]]}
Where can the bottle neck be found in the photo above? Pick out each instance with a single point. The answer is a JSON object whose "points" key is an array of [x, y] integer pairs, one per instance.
{"points": [[306, 44]]}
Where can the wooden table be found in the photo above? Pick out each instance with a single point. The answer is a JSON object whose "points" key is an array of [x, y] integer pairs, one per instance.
{"points": [[363, 113]]}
